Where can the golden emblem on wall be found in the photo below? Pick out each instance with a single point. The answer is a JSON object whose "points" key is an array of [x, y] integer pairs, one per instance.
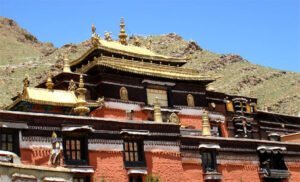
{"points": [[123, 93], [190, 100], [173, 118]]}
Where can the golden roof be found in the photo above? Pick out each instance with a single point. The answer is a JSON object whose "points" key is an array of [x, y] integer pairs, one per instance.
{"points": [[129, 50], [146, 68], [49, 97]]}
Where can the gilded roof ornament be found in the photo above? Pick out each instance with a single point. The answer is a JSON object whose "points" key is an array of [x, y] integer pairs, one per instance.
{"points": [[67, 68], [95, 37], [122, 34], [149, 44], [49, 83], [26, 81], [136, 41], [72, 85], [107, 36], [173, 118], [81, 105], [101, 102]]}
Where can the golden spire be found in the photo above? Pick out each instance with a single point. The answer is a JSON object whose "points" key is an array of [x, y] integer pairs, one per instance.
{"points": [[67, 68], [157, 111], [49, 83], [122, 34], [81, 105], [205, 124]]}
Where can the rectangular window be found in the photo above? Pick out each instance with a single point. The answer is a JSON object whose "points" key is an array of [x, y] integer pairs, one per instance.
{"points": [[161, 95], [7, 142], [81, 179], [75, 150], [135, 178], [209, 163], [216, 130], [134, 153]]}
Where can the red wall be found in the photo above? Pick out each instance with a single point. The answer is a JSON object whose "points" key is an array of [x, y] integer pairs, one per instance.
{"points": [[167, 166]]}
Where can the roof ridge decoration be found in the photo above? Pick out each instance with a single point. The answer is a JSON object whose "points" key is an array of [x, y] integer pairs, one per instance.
{"points": [[95, 37]]}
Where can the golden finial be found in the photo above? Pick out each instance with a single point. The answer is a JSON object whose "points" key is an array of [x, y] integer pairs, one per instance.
{"points": [[81, 83], [49, 83], [122, 34], [67, 68], [157, 111], [72, 85], [107, 36], [81, 105], [205, 124], [136, 41]]}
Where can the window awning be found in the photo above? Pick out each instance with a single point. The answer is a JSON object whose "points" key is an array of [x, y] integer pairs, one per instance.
{"points": [[209, 146], [26, 176], [74, 128], [137, 171], [13, 125], [135, 132], [271, 149], [54, 179]]}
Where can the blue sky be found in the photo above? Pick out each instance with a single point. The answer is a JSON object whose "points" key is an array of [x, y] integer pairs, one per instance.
{"points": [[265, 32]]}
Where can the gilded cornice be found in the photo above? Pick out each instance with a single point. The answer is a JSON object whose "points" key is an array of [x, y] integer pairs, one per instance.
{"points": [[145, 68]]}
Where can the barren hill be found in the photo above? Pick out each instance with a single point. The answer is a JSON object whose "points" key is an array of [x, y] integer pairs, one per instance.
{"points": [[21, 53]]}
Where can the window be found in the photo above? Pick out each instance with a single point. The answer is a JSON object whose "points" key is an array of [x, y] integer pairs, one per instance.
{"points": [[134, 153], [9, 140], [209, 161], [242, 127], [75, 150], [81, 179], [272, 165], [216, 130], [161, 95], [135, 178]]}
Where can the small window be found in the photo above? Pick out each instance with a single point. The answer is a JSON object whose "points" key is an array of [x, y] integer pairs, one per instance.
{"points": [[9, 140], [216, 131], [135, 178], [209, 163], [81, 179], [161, 95], [134, 153], [75, 150]]}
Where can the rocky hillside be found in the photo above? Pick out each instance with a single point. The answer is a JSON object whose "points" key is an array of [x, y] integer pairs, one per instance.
{"points": [[21, 53]]}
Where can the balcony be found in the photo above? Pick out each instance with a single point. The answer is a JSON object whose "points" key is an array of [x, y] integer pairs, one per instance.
{"points": [[274, 173]]}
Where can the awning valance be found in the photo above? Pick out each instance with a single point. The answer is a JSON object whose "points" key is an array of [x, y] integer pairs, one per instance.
{"points": [[209, 146], [13, 125]]}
